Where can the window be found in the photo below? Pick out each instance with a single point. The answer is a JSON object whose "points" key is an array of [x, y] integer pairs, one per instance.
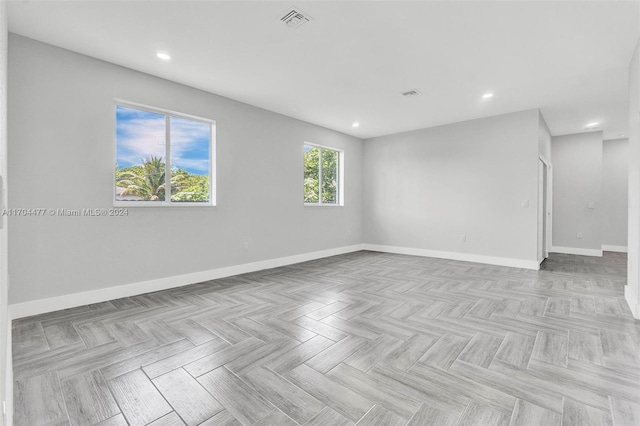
{"points": [[156, 147], [322, 176]]}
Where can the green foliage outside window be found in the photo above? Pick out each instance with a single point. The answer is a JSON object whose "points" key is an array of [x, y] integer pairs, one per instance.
{"points": [[311, 175], [145, 138], [321, 175], [147, 182]]}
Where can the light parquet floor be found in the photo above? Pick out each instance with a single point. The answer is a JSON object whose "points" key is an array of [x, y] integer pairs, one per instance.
{"points": [[363, 338]]}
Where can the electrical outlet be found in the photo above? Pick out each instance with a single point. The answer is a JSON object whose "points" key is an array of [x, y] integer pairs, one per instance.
{"points": [[591, 205], [245, 246], [463, 238], [524, 204], [579, 235]]}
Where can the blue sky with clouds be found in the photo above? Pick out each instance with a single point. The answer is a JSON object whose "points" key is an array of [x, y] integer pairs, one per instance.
{"points": [[141, 134]]}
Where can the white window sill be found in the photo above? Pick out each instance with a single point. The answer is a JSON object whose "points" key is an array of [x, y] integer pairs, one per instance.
{"points": [[322, 205], [146, 204]]}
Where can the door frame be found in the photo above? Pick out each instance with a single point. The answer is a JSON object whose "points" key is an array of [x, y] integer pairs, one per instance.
{"points": [[548, 222]]}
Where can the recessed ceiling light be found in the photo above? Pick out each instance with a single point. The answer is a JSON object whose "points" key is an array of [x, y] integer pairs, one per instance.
{"points": [[487, 95], [164, 56], [622, 135], [593, 124], [355, 124]]}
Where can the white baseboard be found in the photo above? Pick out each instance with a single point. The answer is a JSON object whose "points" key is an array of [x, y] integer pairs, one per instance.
{"points": [[41, 306], [467, 257], [632, 301], [618, 249], [578, 251]]}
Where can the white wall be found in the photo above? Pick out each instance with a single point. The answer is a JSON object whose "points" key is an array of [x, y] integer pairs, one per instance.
{"points": [[425, 188], [61, 117], [632, 289], [6, 381], [615, 193], [577, 181]]}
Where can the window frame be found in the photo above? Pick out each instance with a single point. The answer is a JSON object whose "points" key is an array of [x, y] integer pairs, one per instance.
{"points": [[167, 115], [340, 175]]}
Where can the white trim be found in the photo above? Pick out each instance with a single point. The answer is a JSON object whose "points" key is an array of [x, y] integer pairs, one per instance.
{"points": [[618, 249], [549, 238], [549, 205], [578, 251], [541, 212], [631, 298], [163, 204], [544, 160], [466, 257], [41, 306], [167, 158]]}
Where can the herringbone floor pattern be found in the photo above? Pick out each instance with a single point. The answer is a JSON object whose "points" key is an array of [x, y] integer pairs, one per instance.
{"points": [[366, 338]]}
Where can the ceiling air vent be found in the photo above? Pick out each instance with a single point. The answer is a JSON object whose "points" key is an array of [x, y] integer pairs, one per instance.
{"points": [[411, 93], [295, 18]]}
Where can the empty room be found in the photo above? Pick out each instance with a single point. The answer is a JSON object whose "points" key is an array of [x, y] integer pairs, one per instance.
{"points": [[320, 213]]}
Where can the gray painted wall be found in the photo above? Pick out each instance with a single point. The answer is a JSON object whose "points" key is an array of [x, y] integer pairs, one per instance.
{"points": [[62, 156], [615, 192], [6, 384], [577, 180], [426, 188]]}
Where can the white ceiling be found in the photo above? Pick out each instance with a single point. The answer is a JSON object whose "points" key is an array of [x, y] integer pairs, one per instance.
{"points": [[351, 62]]}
